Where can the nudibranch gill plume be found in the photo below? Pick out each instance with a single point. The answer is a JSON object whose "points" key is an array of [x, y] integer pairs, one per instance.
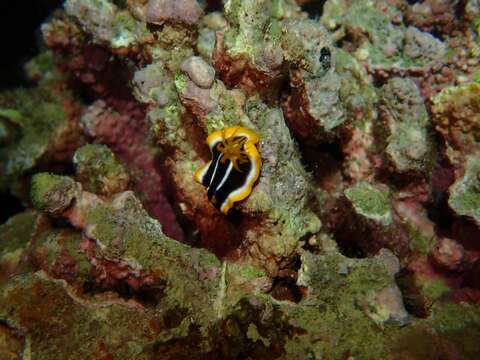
{"points": [[235, 166]]}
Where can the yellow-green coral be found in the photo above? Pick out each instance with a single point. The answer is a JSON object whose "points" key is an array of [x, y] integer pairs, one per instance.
{"points": [[370, 202], [52, 193], [99, 171], [465, 192]]}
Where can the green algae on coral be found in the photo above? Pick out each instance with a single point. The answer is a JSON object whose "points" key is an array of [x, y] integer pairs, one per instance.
{"points": [[356, 91], [101, 280], [57, 252], [388, 45], [370, 202], [167, 122], [122, 228], [324, 104], [15, 236], [456, 117], [251, 39], [408, 147], [99, 171], [434, 289], [303, 44], [405, 127], [127, 31], [154, 85], [316, 85], [247, 29], [41, 66], [420, 243], [52, 193], [333, 294], [180, 81], [17, 231], [38, 298], [459, 323], [286, 209], [214, 297], [465, 192], [211, 22], [36, 118], [449, 318], [108, 24]]}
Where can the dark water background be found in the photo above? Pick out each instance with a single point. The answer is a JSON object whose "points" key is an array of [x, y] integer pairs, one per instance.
{"points": [[20, 36]]}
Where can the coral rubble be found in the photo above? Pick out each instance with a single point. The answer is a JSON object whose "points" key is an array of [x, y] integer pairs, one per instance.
{"points": [[360, 239]]}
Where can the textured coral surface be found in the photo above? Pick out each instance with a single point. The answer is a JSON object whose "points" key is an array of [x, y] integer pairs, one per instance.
{"points": [[360, 239]]}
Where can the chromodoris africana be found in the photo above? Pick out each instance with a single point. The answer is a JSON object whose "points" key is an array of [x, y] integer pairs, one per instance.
{"points": [[235, 166]]}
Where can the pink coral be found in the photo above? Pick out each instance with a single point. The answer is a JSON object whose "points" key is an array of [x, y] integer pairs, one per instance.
{"points": [[448, 254], [126, 135]]}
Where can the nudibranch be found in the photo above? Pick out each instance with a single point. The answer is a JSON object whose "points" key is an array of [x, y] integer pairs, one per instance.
{"points": [[235, 166]]}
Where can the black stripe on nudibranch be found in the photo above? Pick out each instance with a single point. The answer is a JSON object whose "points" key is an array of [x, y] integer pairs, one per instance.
{"points": [[235, 166]]}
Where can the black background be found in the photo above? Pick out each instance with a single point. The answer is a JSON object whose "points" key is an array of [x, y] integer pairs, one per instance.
{"points": [[20, 22]]}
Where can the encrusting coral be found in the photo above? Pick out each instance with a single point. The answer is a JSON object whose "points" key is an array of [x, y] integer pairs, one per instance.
{"points": [[355, 238]]}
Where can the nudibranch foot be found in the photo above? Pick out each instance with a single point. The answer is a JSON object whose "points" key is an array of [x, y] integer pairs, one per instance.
{"points": [[235, 166]]}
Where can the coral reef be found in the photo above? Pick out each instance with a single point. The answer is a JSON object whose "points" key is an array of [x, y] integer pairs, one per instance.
{"points": [[360, 238], [455, 115], [99, 171], [465, 192], [39, 127], [381, 39], [408, 145]]}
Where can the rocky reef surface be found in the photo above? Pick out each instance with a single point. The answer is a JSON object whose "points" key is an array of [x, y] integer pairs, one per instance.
{"points": [[360, 240]]}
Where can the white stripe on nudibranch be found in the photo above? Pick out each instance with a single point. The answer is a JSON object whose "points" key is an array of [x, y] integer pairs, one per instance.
{"points": [[225, 177], [203, 171], [214, 171], [251, 176]]}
